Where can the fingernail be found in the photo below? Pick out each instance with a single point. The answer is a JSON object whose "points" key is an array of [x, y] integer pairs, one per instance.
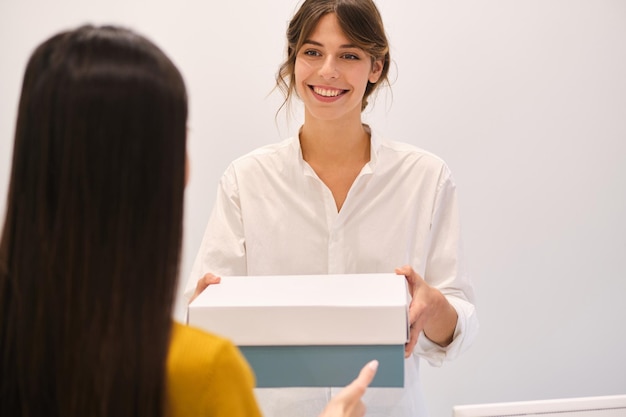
{"points": [[373, 365]]}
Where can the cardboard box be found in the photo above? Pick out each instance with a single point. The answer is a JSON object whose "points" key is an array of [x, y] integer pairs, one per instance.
{"points": [[311, 330]]}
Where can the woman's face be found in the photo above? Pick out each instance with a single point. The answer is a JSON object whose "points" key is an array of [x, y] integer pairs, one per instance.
{"points": [[331, 73]]}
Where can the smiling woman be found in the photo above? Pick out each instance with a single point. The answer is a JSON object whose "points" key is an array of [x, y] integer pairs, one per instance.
{"points": [[331, 69], [340, 198], [359, 23]]}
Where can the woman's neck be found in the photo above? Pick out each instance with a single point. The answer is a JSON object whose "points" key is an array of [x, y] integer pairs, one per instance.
{"points": [[336, 152], [334, 142]]}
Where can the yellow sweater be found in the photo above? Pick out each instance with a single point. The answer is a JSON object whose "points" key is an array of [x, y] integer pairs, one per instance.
{"points": [[207, 376]]}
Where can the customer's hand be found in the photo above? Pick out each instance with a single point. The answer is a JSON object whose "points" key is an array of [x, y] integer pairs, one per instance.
{"points": [[205, 281], [348, 402]]}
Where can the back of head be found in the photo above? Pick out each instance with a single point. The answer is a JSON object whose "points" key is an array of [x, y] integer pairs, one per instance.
{"points": [[91, 241]]}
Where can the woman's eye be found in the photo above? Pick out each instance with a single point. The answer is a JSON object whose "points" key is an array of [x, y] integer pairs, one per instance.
{"points": [[311, 52], [351, 56]]}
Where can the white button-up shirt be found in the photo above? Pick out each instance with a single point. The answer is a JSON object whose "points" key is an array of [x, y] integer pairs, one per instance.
{"points": [[274, 216]]}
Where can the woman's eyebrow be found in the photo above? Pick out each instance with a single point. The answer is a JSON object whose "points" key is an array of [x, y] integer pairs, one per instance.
{"points": [[315, 43]]}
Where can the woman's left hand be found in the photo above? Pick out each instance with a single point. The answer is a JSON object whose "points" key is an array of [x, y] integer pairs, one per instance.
{"points": [[429, 311]]}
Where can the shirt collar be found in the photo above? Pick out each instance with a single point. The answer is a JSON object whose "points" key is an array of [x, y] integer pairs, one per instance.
{"points": [[374, 148]]}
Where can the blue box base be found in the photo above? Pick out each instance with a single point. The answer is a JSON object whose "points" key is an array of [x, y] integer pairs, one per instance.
{"points": [[323, 366]]}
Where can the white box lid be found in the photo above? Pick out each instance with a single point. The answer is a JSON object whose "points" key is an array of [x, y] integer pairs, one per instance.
{"points": [[344, 309]]}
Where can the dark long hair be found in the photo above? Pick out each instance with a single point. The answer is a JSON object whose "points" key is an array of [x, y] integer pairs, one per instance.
{"points": [[360, 21], [91, 242]]}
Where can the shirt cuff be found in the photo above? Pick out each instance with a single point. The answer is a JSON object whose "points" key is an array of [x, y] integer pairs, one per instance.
{"points": [[464, 335]]}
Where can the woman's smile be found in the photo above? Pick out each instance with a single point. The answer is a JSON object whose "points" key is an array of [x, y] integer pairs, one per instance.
{"points": [[327, 94]]}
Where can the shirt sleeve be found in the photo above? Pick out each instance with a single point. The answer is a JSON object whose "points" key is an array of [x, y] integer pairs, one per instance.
{"points": [[208, 376], [446, 271], [222, 251], [234, 387]]}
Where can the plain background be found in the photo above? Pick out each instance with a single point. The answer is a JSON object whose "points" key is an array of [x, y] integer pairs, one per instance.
{"points": [[525, 100]]}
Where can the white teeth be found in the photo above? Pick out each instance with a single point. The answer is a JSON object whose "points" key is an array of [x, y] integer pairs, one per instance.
{"points": [[326, 93]]}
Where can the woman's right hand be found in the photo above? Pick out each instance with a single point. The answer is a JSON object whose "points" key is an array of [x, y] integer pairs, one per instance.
{"points": [[348, 402], [205, 281]]}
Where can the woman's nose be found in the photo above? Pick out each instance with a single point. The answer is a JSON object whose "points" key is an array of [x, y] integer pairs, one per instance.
{"points": [[328, 70]]}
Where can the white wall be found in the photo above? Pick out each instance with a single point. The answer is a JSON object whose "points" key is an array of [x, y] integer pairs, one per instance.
{"points": [[526, 101]]}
